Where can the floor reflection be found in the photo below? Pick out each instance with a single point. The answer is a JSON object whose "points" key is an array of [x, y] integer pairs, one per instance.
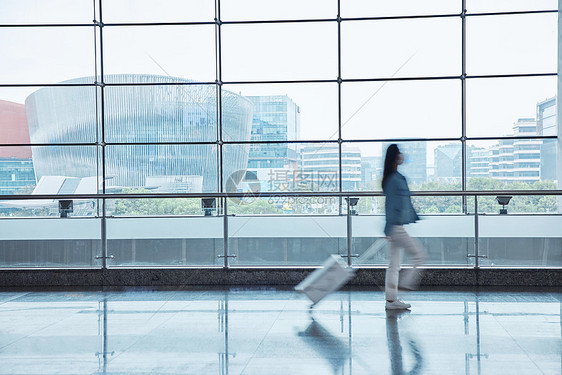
{"points": [[247, 332], [334, 350], [395, 345]]}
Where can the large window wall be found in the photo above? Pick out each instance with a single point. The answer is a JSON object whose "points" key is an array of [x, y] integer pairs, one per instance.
{"points": [[230, 96]]}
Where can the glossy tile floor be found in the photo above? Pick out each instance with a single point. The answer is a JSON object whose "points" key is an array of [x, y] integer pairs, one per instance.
{"points": [[268, 331]]}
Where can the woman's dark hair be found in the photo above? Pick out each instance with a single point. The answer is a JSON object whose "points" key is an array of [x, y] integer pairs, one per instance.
{"points": [[390, 159]]}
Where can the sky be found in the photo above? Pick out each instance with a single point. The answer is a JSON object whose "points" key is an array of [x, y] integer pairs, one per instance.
{"points": [[392, 48]]}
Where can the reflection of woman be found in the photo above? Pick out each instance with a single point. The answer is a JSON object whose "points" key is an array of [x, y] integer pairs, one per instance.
{"points": [[399, 211], [395, 347]]}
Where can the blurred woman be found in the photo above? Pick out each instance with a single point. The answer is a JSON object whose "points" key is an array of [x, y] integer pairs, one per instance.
{"points": [[399, 211]]}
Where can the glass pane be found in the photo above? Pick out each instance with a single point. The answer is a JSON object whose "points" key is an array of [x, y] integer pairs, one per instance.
{"points": [[280, 51], [158, 11], [185, 52], [60, 166], [161, 168], [249, 205], [45, 12], [285, 240], [518, 204], [63, 114], [277, 10], [369, 8], [447, 239], [428, 47], [428, 165], [17, 175], [288, 112], [510, 5], [48, 170], [518, 164], [501, 44], [160, 113], [158, 206], [165, 241], [276, 167], [46, 54], [511, 241], [50, 242], [495, 106], [375, 110]]}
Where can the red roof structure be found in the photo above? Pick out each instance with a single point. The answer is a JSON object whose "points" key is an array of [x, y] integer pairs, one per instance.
{"points": [[13, 129]]}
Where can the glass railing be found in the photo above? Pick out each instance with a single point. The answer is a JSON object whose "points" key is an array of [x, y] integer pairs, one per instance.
{"points": [[299, 229]]}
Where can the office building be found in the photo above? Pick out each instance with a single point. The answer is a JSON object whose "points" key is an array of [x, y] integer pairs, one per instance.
{"points": [[517, 159], [371, 172], [16, 167], [448, 161], [415, 162], [320, 167], [547, 124], [275, 118], [478, 163]]}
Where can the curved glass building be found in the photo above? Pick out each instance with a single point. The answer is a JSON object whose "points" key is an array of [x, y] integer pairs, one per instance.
{"points": [[161, 110]]}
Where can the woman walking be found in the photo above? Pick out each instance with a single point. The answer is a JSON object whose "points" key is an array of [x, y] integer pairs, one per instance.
{"points": [[399, 211]]}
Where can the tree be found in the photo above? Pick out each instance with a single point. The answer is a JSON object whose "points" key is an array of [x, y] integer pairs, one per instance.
{"points": [[156, 206], [259, 206], [488, 204]]}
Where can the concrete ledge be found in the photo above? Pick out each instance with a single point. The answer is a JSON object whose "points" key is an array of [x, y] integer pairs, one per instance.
{"points": [[365, 277]]}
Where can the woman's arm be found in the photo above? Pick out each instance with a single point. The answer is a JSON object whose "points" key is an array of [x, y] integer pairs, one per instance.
{"points": [[394, 201]]}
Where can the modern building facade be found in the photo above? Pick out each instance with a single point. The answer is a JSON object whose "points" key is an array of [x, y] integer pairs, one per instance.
{"points": [[371, 172], [16, 166], [275, 118], [321, 166], [547, 124], [415, 162], [133, 115], [517, 159], [16, 176], [448, 161], [478, 164]]}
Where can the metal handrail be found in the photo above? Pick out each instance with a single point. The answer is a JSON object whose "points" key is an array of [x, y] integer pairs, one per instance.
{"points": [[466, 193]]}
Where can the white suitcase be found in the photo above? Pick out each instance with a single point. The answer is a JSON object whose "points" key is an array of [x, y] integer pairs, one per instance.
{"points": [[334, 273]]}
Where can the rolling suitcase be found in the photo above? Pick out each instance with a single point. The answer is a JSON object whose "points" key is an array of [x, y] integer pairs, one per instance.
{"points": [[334, 273]]}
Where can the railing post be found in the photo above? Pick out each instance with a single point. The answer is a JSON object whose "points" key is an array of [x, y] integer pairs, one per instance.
{"points": [[476, 234], [349, 231], [103, 237], [225, 233]]}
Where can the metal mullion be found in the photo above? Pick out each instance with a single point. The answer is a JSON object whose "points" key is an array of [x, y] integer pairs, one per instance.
{"points": [[28, 25], [398, 140], [134, 24], [47, 144], [48, 85], [102, 144], [194, 83], [280, 81], [383, 18], [383, 79], [179, 143], [515, 75], [265, 22], [96, 107], [340, 177], [464, 159], [510, 13], [218, 49], [250, 142], [511, 137]]}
